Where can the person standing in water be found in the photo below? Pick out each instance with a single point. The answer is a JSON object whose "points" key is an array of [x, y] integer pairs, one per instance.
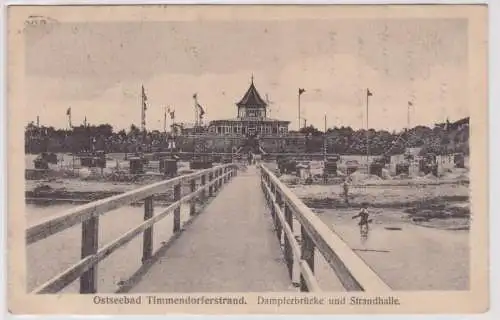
{"points": [[345, 187], [363, 221]]}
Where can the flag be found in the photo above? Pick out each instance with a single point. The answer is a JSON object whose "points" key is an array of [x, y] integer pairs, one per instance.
{"points": [[301, 91], [68, 112], [368, 93], [202, 112], [144, 99], [172, 114], [195, 96], [410, 103]]}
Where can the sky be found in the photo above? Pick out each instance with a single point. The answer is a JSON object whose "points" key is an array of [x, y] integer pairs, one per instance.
{"points": [[97, 69]]}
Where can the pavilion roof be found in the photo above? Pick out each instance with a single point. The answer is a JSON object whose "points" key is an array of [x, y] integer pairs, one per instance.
{"points": [[252, 98]]}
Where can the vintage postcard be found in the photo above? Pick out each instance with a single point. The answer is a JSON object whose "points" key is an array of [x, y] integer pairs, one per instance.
{"points": [[283, 159]]}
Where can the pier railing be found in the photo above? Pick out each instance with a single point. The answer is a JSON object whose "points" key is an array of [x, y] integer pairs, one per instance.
{"points": [[87, 215], [353, 273]]}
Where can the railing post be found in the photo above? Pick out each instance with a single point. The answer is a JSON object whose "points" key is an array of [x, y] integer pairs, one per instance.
{"points": [[147, 241], [307, 255], [220, 179], [288, 247], [203, 192], [90, 244], [177, 211], [192, 207], [217, 184], [211, 187], [271, 204], [279, 228]]}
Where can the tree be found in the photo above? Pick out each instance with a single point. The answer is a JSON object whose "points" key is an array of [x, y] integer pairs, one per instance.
{"points": [[311, 130]]}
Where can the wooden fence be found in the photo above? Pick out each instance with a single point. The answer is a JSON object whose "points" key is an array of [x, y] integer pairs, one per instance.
{"points": [[351, 270], [88, 216]]}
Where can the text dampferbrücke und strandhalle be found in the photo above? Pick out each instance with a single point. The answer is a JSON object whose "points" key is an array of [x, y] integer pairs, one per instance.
{"points": [[379, 300]]}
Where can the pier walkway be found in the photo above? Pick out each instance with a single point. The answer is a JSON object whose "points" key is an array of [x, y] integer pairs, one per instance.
{"points": [[230, 247], [245, 232]]}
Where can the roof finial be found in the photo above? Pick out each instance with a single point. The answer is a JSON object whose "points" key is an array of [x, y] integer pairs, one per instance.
{"points": [[252, 77]]}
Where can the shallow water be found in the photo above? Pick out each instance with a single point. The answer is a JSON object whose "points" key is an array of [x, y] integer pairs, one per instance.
{"points": [[405, 256], [49, 257]]}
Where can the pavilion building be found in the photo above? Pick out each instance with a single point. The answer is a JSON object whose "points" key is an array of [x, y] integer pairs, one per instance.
{"points": [[251, 119]]}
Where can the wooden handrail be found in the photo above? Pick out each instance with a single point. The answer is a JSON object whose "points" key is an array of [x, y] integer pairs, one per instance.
{"points": [[351, 270], [79, 214], [88, 215]]}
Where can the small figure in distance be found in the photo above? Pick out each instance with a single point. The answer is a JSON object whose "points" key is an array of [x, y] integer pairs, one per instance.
{"points": [[363, 221], [345, 187]]}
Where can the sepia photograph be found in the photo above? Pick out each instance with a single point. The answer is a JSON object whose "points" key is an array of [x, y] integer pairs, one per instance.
{"points": [[170, 150]]}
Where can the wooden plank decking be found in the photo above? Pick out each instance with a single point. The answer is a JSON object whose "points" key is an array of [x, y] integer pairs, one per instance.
{"points": [[230, 247]]}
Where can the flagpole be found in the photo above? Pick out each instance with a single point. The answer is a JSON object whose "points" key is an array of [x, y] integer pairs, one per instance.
{"points": [[172, 116], [144, 116], [195, 97], [69, 118], [301, 91], [324, 141], [142, 108], [164, 119], [367, 131], [408, 115], [299, 112]]}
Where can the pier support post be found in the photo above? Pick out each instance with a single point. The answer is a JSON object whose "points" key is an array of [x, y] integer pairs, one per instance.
{"points": [[270, 201], [192, 207], [217, 181], [147, 242], [279, 228], [219, 184], [90, 244], [288, 247], [177, 211], [307, 255], [203, 192], [211, 187]]}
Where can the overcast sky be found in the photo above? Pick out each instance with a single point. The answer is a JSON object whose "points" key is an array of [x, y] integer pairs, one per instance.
{"points": [[97, 69]]}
